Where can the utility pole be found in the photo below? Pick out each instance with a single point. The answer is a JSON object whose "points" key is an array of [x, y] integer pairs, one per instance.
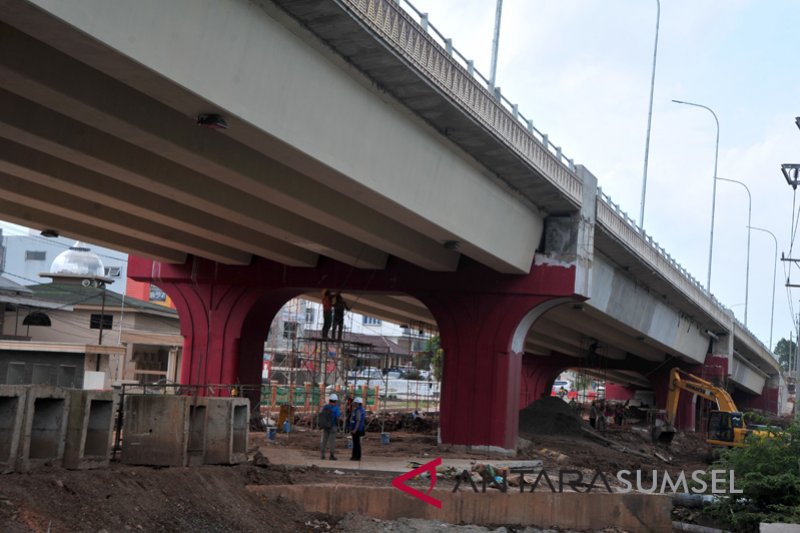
{"points": [[495, 43]]}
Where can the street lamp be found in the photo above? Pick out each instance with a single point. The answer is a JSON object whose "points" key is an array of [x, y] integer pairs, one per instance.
{"points": [[747, 272], [714, 193], [649, 117], [495, 43], [774, 272]]}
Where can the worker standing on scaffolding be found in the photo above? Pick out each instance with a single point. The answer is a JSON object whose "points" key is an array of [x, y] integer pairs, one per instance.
{"points": [[327, 312], [339, 307]]}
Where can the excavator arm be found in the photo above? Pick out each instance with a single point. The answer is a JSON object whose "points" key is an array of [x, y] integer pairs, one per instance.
{"points": [[680, 380], [683, 381]]}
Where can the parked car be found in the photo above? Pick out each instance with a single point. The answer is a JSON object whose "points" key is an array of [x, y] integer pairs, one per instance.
{"points": [[395, 374], [370, 373], [561, 388]]}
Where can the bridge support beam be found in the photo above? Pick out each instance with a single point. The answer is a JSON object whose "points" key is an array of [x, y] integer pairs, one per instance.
{"points": [[224, 328], [483, 335], [483, 319]]}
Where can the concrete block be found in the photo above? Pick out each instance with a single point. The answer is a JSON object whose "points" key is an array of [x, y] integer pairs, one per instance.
{"points": [[12, 414], [90, 429], [155, 430], [779, 528], [196, 448], [637, 513], [44, 427], [226, 430]]}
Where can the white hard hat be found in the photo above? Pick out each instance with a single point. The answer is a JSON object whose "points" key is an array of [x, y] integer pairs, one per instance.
{"points": [[334, 397], [358, 400]]}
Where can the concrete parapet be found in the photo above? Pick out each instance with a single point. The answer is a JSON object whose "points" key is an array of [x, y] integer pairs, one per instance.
{"points": [[91, 429], [44, 427], [155, 430], [637, 513], [12, 414], [226, 430]]}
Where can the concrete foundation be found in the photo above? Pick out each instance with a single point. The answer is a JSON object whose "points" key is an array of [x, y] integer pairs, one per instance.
{"points": [[12, 412], [226, 430], [155, 430], [91, 429], [637, 513], [44, 427]]}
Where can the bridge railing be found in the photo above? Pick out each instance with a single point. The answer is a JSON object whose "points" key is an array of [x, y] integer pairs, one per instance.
{"points": [[420, 42], [431, 52]]}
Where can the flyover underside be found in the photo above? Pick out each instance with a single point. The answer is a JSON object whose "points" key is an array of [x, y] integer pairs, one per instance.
{"points": [[98, 135]]}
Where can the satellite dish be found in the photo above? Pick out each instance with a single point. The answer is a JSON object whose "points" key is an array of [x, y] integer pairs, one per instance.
{"points": [[86, 282]]}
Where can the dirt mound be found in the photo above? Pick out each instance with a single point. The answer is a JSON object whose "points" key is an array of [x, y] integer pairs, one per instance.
{"points": [[548, 416], [122, 498]]}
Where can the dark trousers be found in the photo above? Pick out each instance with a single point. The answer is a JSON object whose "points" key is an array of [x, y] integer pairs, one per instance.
{"points": [[593, 422], [326, 323], [357, 445], [338, 326]]}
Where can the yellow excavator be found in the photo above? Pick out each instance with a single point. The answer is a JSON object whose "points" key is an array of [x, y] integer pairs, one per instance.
{"points": [[726, 426]]}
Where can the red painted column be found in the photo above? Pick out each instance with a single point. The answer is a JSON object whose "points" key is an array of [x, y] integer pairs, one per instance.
{"points": [[224, 327], [482, 364]]}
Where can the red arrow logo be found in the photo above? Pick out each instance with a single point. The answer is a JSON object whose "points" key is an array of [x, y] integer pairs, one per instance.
{"points": [[400, 482]]}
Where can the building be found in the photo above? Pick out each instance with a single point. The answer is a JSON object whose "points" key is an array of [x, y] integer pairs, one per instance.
{"points": [[74, 331]]}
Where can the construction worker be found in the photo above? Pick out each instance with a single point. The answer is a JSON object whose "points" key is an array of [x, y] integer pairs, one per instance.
{"points": [[339, 307], [356, 426], [329, 422], [327, 312]]}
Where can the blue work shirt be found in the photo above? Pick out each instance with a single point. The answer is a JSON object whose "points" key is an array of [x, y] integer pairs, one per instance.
{"points": [[358, 418], [336, 413]]}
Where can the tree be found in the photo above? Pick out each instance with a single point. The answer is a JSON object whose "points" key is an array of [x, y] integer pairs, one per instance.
{"points": [[431, 357], [785, 351], [767, 472]]}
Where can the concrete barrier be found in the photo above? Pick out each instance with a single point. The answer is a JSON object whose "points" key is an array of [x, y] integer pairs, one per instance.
{"points": [[155, 430], [12, 414], [44, 427], [637, 513], [226, 430], [91, 429]]}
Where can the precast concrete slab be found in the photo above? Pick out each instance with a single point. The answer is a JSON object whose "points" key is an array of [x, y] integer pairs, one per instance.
{"points": [[44, 427], [226, 430], [155, 430], [12, 413], [90, 429], [637, 513]]}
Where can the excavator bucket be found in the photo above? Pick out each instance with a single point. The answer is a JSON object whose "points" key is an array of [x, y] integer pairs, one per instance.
{"points": [[663, 434]]}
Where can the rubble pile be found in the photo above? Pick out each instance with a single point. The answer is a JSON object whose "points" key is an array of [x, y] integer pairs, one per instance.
{"points": [[549, 416]]}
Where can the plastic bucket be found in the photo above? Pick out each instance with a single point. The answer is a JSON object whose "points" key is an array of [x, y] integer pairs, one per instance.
{"points": [[384, 438], [272, 433]]}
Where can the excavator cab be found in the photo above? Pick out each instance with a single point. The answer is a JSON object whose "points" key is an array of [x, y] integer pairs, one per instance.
{"points": [[722, 426]]}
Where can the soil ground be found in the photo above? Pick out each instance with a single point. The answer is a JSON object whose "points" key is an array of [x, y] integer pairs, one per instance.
{"points": [[214, 499]]}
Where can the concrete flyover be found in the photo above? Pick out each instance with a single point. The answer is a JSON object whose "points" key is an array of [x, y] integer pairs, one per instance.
{"points": [[358, 155]]}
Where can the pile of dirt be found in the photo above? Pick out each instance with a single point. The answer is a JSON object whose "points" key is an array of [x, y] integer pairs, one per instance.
{"points": [[549, 416], [124, 498]]}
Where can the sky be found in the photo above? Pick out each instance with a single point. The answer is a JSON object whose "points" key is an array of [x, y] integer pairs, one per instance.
{"points": [[581, 70]]}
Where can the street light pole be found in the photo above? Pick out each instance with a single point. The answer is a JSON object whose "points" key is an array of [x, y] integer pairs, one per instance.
{"points": [[649, 118], [774, 273], [714, 193], [495, 43], [747, 272]]}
